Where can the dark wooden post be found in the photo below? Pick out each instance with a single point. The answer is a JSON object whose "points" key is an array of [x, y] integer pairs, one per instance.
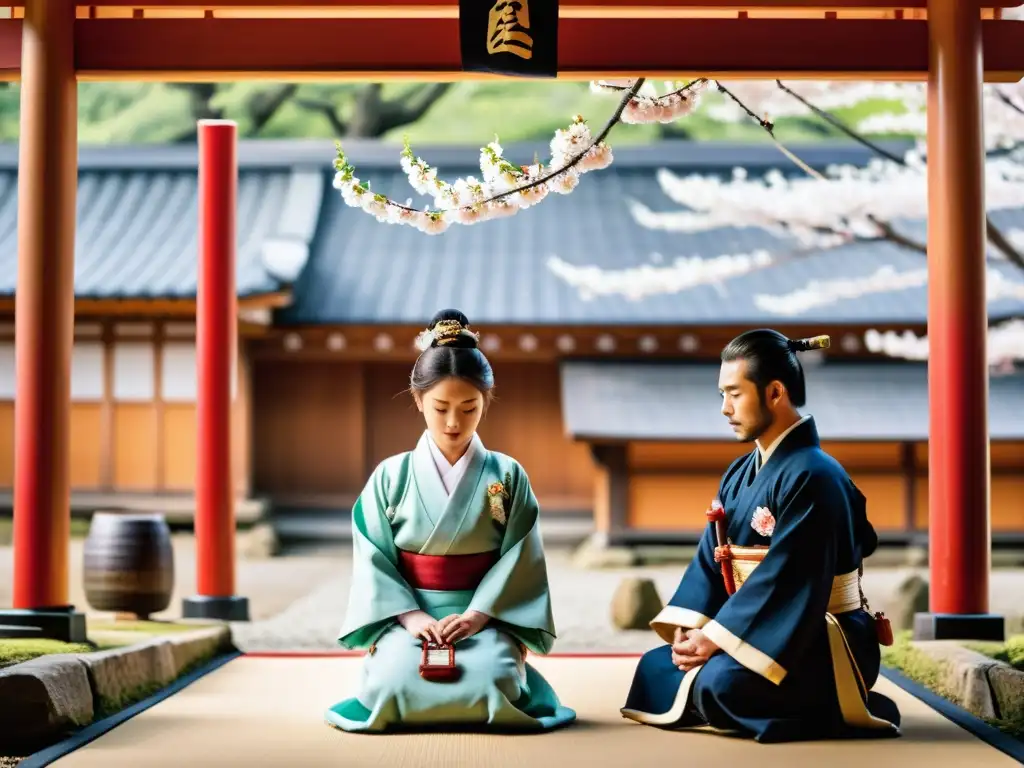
{"points": [[959, 537], [614, 459]]}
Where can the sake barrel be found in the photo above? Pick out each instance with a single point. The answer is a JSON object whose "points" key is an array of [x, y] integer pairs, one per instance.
{"points": [[128, 563]]}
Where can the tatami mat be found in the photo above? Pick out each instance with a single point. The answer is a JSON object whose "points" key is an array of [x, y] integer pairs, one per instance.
{"points": [[268, 711]]}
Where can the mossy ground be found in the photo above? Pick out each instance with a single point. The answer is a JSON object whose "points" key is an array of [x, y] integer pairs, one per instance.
{"points": [[103, 635], [17, 650], [1011, 652], [930, 673]]}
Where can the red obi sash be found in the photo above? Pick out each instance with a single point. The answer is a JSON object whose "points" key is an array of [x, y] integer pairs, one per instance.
{"points": [[448, 573]]}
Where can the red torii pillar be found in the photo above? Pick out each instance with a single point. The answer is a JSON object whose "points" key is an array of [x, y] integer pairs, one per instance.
{"points": [[44, 319], [958, 446], [216, 348]]}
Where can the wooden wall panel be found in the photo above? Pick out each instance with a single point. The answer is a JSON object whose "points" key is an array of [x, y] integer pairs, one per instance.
{"points": [[135, 441], [602, 511], [1007, 503], [393, 423], [308, 428], [241, 427], [865, 456], [886, 495], [715, 457], [7, 444], [179, 449], [86, 451], [678, 501], [671, 502], [693, 457]]}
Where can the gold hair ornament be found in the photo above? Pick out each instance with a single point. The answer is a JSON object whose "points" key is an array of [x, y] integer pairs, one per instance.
{"points": [[446, 331], [816, 342], [443, 333]]}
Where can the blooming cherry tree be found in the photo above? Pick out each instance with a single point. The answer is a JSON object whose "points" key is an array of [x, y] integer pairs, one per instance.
{"points": [[816, 212]]}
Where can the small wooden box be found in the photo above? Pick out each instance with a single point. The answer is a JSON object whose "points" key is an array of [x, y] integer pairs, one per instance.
{"points": [[438, 663]]}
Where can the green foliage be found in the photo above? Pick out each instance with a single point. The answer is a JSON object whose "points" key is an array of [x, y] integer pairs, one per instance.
{"points": [[468, 112]]}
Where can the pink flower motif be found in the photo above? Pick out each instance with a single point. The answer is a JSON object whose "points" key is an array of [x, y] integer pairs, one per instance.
{"points": [[763, 522]]}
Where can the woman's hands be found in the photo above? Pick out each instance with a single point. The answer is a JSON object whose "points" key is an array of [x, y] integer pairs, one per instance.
{"points": [[459, 626], [450, 629], [420, 624]]}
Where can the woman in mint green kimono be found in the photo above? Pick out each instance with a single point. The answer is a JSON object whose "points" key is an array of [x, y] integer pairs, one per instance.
{"points": [[446, 548]]}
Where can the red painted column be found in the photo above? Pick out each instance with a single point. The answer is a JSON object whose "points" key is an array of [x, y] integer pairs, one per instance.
{"points": [[45, 306], [958, 450], [216, 330]]}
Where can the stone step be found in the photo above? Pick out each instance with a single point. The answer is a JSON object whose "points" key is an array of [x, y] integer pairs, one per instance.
{"points": [[12, 631]]}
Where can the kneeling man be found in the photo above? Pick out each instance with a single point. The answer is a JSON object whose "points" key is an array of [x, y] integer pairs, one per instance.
{"points": [[768, 634]]}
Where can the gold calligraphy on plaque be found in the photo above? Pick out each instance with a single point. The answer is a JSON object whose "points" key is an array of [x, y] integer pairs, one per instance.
{"points": [[507, 28]]}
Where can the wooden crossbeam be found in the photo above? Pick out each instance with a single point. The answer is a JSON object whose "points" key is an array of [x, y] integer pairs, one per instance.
{"points": [[711, 5], [395, 48]]}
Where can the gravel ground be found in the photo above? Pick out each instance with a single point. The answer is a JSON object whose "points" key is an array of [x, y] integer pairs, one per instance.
{"points": [[581, 601]]}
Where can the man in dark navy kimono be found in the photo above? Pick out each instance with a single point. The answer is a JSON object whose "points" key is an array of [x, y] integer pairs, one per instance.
{"points": [[790, 650]]}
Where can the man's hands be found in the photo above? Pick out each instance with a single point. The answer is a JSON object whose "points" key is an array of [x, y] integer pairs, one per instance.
{"points": [[460, 626], [450, 629], [691, 648]]}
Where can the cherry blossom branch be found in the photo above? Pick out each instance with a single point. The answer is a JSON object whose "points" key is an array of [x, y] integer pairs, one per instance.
{"points": [[995, 235], [839, 125], [506, 188], [769, 127], [647, 107], [887, 231], [1009, 102]]}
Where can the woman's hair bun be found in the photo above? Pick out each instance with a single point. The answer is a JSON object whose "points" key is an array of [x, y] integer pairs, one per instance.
{"points": [[448, 328], [814, 342]]}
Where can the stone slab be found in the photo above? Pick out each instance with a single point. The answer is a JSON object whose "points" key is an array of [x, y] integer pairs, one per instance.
{"points": [[43, 698], [122, 675], [985, 687]]}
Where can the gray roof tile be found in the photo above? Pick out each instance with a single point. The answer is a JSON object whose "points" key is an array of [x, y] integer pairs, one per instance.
{"points": [[849, 401], [137, 222]]}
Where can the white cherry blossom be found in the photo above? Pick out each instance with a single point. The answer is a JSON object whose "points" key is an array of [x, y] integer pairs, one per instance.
{"points": [[824, 293], [638, 282], [503, 190], [846, 205], [1005, 344]]}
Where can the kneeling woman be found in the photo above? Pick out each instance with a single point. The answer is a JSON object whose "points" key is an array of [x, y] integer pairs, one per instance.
{"points": [[446, 548]]}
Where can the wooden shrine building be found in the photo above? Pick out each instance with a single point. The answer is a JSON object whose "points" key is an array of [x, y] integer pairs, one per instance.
{"points": [[608, 399]]}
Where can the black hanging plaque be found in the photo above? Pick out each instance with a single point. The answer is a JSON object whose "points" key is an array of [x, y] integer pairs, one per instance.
{"points": [[509, 37]]}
